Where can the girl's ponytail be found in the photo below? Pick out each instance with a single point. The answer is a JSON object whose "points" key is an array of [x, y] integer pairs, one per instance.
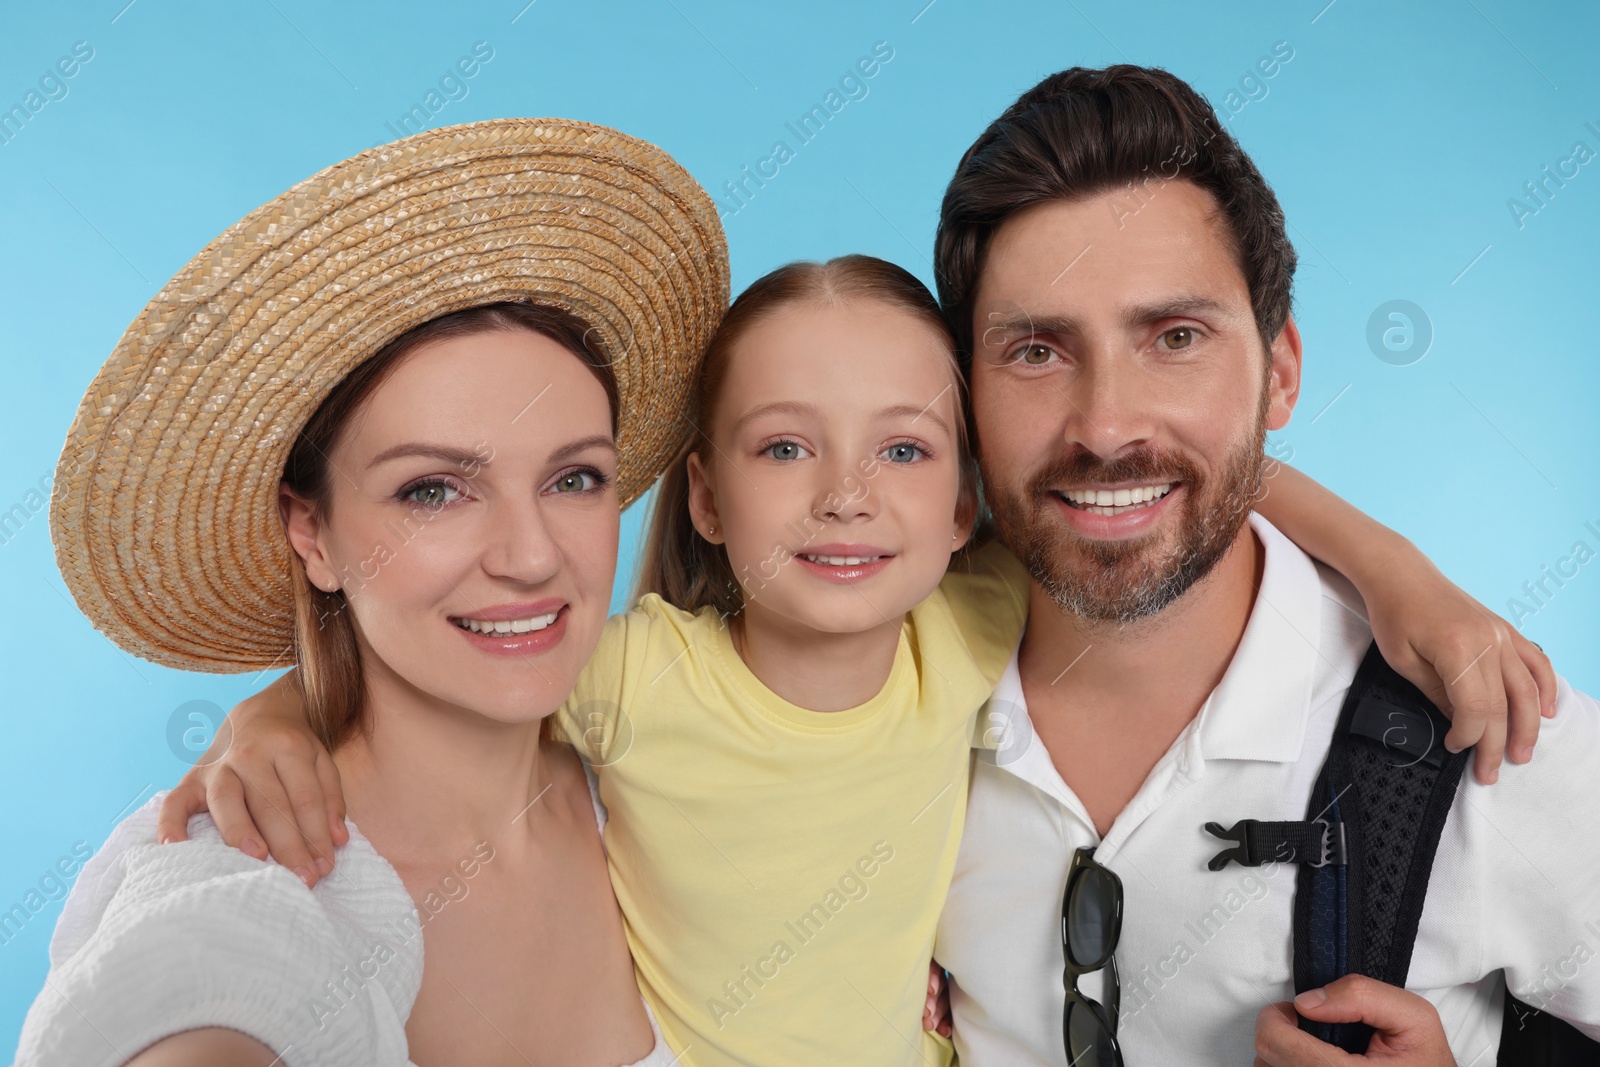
{"points": [[681, 566]]}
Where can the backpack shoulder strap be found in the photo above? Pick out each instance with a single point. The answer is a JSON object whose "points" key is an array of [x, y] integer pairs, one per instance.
{"points": [[1366, 851], [1389, 783], [1366, 846]]}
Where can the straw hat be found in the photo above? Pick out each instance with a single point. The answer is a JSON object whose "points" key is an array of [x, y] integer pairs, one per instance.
{"points": [[164, 512]]}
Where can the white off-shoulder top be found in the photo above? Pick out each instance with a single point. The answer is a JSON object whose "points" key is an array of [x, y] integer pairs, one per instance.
{"points": [[157, 939]]}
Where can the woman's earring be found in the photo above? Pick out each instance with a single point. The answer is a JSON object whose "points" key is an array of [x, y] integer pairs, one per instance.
{"points": [[711, 531]]}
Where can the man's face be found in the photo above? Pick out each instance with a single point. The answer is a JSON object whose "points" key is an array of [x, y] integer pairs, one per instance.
{"points": [[1122, 394]]}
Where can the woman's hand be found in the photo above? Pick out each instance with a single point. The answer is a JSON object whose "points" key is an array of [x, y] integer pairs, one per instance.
{"points": [[1492, 682], [1409, 1033], [265, 777], [936, 1013]]}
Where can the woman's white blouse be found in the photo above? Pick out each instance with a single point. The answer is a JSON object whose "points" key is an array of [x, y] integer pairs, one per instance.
{"points": [[157, 939]]}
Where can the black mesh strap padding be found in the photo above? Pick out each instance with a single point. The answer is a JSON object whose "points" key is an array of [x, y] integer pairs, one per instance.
{"points": [[1390, 781]]}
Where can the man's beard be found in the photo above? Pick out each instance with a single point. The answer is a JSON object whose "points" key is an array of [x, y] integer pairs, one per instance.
{"points": [[1124, 581]]}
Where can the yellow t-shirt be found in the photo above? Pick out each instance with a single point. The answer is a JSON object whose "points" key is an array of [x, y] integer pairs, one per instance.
{"points": [[781, 871]]}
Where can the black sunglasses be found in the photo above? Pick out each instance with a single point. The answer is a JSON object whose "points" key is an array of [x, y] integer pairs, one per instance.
{"points": [[1091, 923]]}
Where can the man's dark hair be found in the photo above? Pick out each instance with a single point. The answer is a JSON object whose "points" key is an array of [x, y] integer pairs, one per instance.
{"points": [[1082, 132]]}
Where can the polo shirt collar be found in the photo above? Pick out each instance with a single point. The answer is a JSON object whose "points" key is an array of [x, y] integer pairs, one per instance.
{"points": [[1258, 711], [1260, 708]]}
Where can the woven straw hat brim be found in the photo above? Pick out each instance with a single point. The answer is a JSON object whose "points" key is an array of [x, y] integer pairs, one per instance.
{"points": [[164, 510]]}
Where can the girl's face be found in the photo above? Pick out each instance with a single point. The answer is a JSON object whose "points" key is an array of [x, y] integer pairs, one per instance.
{"points": [[834, 482], [473, 524]]}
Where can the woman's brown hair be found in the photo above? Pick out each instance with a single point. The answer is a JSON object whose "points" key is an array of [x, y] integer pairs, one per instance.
{"points": [[326, 653], [684, 568]]}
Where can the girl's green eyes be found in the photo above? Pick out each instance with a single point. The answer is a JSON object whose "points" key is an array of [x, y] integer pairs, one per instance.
{"points": [[904, 452], [900, 452]]}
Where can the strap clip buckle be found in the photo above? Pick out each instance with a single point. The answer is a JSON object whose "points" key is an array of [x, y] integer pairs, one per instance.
{"points": [[1333, 844], [1256, 843], [1240, 853]]}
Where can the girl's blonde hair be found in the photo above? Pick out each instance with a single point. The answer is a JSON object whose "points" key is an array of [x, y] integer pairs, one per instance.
{"points": [[684, 568]]}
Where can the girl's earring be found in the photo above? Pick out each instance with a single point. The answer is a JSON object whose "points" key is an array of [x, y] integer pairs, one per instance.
{"points": [[711, 531]]}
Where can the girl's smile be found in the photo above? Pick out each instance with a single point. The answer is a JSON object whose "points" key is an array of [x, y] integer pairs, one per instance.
{"points": [[844, 563]]}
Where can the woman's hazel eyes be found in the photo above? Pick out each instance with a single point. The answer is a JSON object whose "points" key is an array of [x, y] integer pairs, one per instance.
{"points": [[431, 495], [576, 482], [435, 494]]}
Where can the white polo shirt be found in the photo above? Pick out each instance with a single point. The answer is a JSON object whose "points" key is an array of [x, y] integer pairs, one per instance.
{"points": [[1516, 882]]}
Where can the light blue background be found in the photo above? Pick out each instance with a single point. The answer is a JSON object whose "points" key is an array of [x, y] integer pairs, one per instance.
{"points": [[1394, 138]]}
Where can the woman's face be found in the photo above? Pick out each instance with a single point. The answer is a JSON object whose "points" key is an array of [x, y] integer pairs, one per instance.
{"points": [[472, 524]]}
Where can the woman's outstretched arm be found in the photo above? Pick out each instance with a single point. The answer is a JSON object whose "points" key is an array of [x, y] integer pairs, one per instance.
{"points": [[206, 1048]]}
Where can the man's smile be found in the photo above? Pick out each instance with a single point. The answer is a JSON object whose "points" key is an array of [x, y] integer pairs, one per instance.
{"points": [[1106, 500]]}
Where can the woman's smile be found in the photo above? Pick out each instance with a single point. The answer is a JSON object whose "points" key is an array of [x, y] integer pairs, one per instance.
{"points": [[514, 629]]}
